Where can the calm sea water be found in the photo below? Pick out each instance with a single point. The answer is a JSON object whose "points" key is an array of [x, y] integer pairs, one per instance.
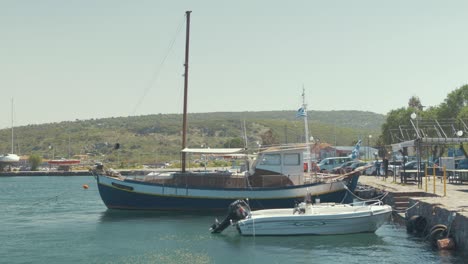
{"points": [[55, 220]]}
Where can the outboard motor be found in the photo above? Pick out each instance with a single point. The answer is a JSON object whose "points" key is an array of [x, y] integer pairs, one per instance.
{"points": [[237, 210]]}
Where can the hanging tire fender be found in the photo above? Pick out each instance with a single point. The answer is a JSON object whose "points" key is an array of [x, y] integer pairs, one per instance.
{"points": [[416, 224], [437, 232]]}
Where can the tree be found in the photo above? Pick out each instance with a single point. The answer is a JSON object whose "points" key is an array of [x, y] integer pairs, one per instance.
{"points": [[454, 103], [234, 143], [415, 102], [431, 112], [268, 138], [34, 160], [463, 114], [454, 106], [395, 118]]}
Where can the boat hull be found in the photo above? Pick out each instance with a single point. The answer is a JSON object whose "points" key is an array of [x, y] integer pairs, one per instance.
{"points": [[290, 224], [136, 195], [9, 158]]}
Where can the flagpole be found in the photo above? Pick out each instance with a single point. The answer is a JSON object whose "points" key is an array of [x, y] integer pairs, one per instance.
{"points": [[306, 131]]}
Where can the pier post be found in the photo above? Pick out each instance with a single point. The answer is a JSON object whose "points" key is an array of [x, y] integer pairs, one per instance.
{"points": [[425, 180], [445, 181]]}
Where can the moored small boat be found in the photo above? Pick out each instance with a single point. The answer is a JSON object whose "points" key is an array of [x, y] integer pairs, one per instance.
{"points": [[9, 158], [306, 219]]}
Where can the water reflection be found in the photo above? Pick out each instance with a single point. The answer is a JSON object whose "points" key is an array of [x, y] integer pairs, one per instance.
{"points": [[303, 242]]}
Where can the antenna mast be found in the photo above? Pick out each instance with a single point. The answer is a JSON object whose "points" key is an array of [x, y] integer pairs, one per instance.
{"points": [[306, 131]]}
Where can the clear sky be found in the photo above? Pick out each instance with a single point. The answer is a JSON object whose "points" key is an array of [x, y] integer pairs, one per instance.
{"points": [[66, 60]]}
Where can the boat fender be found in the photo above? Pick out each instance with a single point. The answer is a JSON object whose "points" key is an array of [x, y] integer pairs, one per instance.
{"points": [[437, 233], [446, 244], [416, 224]]}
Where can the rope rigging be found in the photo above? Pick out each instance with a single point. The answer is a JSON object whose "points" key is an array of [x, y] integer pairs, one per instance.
{"points": [[155, 76]]}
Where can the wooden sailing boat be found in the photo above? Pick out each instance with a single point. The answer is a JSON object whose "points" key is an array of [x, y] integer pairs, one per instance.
{"points": [[275, 179]]}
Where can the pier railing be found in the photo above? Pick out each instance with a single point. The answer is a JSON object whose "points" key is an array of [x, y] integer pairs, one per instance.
{"points": [[434, 175], [432, 180]]}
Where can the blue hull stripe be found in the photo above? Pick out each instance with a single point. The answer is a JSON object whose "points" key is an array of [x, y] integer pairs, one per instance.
{"points": [[116, 198]]}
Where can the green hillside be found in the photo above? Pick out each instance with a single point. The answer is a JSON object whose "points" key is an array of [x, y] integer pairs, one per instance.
{"points": [[157, 138]]}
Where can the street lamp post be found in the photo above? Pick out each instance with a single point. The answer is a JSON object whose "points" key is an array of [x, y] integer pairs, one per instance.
{"points": [[368, 146], [53, 151], [418, 151]]}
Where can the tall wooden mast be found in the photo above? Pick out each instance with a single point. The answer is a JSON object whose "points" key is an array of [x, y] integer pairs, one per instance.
{"points": [[184, 126]]}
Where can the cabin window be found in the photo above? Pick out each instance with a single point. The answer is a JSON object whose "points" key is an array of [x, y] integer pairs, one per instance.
{"points": [[271, 159], [292, 159]]}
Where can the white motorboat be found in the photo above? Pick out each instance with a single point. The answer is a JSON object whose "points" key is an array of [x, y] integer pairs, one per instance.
{"points": [[306, 219]]}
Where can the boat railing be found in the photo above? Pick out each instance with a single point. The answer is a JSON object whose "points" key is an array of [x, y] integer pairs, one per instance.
{"points": [[229, 180], [221, 178], [367, 203], [326, 177]]}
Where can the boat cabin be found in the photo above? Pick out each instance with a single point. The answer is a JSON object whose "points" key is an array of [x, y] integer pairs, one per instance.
{"points": [[277, 161]]}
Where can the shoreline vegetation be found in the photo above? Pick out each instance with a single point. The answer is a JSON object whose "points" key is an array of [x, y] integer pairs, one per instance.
{"points": [[153, 139]]}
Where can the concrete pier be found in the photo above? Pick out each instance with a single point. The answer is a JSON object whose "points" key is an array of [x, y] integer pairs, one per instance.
{"points": [[449, 208]]}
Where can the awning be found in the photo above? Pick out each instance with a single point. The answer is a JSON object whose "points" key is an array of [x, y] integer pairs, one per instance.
{"points": [[428, 142]]}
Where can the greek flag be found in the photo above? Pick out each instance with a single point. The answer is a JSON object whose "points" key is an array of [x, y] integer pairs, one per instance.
{"points": [[301, 112]]}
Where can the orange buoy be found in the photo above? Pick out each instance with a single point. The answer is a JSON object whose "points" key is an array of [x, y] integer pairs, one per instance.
{"points": [[85, 186]]}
